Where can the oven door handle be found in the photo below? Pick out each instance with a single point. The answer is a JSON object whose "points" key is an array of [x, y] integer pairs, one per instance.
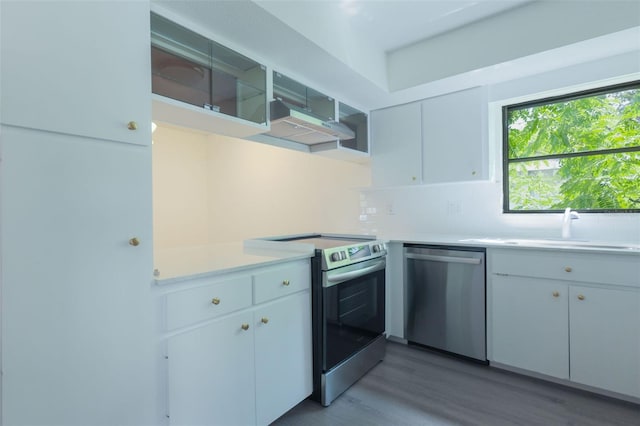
{"points": [[333, 279]]}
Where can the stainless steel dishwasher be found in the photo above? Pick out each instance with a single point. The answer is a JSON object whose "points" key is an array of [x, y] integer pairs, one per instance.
{"points": [[444, 300]]}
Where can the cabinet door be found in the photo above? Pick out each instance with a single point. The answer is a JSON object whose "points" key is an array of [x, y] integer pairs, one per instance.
{"points": [[605, 338], [454, 137], [396, 138], [211, 374], [77, 67], [529, 325], [77, 343], [283, 355]]}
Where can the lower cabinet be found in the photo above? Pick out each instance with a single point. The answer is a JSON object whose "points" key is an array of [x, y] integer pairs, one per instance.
{"points": [[247, 367], [211, 378], [605, 338], [283, 356], [530, 329], [586, 331]]}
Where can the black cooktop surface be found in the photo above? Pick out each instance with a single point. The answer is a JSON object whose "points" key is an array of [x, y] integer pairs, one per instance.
{"points": [[323, 243]]}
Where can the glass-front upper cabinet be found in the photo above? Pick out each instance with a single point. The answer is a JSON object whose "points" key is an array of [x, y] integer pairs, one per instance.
{"points": [[357, 121], [305, 98], [193, 69]]}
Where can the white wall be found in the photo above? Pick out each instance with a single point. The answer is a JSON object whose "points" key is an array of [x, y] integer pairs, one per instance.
{"points": [[212, 189], [475, 208]]}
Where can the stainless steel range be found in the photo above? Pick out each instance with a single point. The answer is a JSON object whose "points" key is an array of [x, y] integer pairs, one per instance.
{"points": [[348, 297]]}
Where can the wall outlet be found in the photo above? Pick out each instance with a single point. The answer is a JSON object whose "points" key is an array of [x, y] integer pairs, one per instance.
{"points": [[391, 209], [454, 208]]}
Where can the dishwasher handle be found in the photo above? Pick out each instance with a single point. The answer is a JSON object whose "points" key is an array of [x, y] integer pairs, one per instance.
{"points": [[446, 259]]}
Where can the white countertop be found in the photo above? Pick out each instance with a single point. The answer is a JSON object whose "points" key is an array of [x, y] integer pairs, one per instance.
{"points": [[182, 263], [612, 247]]}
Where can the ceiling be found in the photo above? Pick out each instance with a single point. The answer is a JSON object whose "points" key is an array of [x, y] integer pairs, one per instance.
{"points": [[384, 25]]}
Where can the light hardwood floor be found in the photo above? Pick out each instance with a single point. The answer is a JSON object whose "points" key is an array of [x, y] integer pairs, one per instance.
{"points": [[415, 387]]}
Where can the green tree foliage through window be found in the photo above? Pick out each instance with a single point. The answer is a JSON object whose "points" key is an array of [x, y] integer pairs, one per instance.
{"points": [[580, 151]]}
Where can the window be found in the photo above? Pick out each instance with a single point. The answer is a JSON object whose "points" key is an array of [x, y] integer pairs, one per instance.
{"points": [[580, 150]]}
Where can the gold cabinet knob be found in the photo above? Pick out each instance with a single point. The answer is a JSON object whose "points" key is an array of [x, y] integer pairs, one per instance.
{"points": [[556, 294], [568, 269], [264, 320], [286, 282], [413, 178], [215, 301], [245, 327], [132, 125], [134, 242], [580, 297]]}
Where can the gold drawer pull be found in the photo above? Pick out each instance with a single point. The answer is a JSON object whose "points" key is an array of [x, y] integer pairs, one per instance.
{"points": [[215, 301], [556, 294], [132, 125], [245, 327], [264, 320], [285, 282], [134, 242], [580, 297], [568, 269]]}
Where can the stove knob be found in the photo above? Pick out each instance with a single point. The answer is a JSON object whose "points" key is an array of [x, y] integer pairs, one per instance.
{"points": [[336, 256], [376, 248]]}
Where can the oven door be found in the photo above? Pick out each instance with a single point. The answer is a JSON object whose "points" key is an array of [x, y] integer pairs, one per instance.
{"points": [[353, 309]]}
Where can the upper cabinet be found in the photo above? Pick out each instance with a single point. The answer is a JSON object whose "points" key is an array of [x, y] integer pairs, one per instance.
{"points": [[396, 145], [202, 84], [437, 140], [454, 133], [303, 98], [313, 122], [357, 121], [87, 77]]}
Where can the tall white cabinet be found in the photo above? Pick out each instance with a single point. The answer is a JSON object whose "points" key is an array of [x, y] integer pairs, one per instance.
{"points": [[75, 211]]}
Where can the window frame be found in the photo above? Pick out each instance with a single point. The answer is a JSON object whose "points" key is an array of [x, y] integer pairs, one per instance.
{"points": [[634, 84]]}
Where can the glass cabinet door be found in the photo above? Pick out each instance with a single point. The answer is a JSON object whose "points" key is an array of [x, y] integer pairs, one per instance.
{"points": [[357, 121], [193, 69], [302, 97]]}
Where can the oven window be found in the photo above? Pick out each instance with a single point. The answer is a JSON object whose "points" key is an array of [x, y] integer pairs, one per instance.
{"points": [[353, 316]]}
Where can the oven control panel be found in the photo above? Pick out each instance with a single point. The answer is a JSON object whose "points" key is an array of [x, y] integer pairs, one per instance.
{"points": [[346, 255]]}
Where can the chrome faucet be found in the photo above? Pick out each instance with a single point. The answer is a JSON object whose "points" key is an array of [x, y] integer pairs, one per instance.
{"points": [[569, 215]]}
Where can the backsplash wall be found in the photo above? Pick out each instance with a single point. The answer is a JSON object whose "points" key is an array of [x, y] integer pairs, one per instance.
{"points": [[216, 189], [474, 209]]}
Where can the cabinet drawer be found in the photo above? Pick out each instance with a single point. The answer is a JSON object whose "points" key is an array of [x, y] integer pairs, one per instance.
{"points": [[202, 303], [563, 265], [280, 281]]}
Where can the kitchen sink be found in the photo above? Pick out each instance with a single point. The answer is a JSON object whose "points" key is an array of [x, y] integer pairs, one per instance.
{"points": [[550, 242]]}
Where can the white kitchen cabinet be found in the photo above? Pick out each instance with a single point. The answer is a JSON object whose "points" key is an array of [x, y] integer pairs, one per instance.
{"points": [[283, 356], [211, 373], [437, 140], [247, 366], [605, 338], [396, 145], [454, 135], [530, 324], [77, 328], [569, 315], [77, 67]]}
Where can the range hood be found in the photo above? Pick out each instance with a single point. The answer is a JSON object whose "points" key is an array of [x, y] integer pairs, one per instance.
{"points": [[297, 125]]}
